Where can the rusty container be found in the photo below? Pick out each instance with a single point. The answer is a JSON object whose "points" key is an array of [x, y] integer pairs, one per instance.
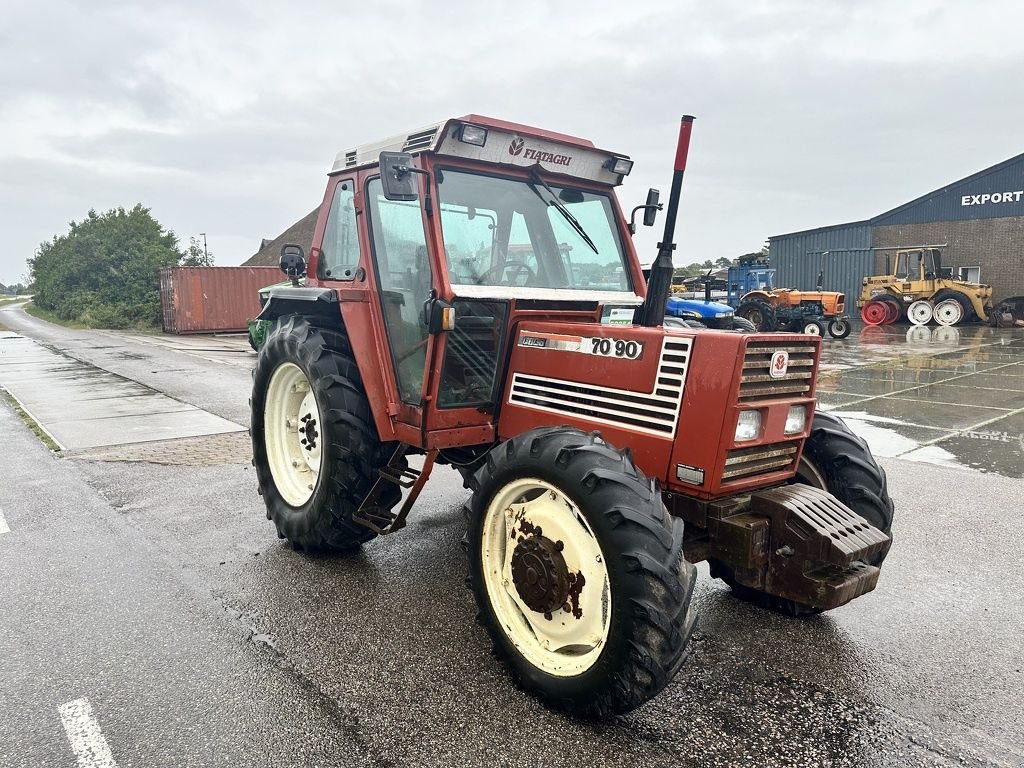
{"points": [[212, 299]]}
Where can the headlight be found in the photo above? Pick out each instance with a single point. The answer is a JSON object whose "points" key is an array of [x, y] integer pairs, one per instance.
{"points": [[748, 426], [723, 314], [795, 419]]}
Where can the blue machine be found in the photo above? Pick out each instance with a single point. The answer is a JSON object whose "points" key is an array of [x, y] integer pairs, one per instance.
{"points": [[711, 314], [746, 276]]}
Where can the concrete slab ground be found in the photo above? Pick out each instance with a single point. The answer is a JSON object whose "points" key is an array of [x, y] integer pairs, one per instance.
{"points": [[953, 397], [84, 407]]}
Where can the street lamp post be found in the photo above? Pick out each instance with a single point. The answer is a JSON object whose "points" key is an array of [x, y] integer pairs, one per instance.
{"points": [[206, 254]]}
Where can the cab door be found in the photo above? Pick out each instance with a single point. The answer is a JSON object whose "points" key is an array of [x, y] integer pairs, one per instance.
{"points": [[404, 278]]}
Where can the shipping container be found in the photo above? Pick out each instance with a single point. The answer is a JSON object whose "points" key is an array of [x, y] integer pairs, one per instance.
{"points": [[212, 299]]}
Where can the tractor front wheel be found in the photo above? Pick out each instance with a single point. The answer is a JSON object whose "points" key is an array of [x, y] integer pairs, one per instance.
{"points": [[839, 328], [578, 571], [315, 447], [813, 328]]}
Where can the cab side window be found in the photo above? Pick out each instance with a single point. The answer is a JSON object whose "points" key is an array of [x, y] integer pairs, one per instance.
{"points": [[339, 253]]}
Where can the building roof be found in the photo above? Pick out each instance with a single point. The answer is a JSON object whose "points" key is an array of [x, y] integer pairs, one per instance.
{"points": [[946, 188], [816, 230], [301, 233], [936, 205]]}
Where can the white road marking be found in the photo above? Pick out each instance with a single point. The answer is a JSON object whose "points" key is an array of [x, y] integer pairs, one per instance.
{"points": [[85, 736], [3, 523]]}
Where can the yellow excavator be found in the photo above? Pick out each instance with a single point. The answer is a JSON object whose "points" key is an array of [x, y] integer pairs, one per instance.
{"points": [[922, 290]]}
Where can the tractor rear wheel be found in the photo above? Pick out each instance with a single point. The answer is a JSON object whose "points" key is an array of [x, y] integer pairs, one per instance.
{"points": [[760, 313], [315, 447], [952, 308], [920, 312], [874, 312], [578, 572], [893, 309], [840, 462]]}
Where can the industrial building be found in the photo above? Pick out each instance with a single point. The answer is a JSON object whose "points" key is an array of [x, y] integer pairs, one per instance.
{"points": [[979, 220]]}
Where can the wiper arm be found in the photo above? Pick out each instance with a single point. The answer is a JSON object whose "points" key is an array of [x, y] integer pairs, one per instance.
{"points": [[560, 207]]}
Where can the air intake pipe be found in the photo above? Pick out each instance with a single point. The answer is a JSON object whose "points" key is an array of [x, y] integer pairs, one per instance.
{"points": [[659, 284]]}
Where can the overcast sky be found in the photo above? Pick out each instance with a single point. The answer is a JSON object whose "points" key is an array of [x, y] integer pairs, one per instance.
{"points": [[224, 117]]}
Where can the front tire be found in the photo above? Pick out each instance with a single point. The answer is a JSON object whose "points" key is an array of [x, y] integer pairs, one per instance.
{"points": [[555, 507], [315, 447], [839, 329]]}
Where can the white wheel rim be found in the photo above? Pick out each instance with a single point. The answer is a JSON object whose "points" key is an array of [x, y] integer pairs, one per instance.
{"points": [[948, 312], [293, 434], [570, 642], [812, 329], [920, 312]]}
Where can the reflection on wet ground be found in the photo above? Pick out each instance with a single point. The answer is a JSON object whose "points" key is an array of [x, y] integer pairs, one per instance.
{"points": [[947, 396]]}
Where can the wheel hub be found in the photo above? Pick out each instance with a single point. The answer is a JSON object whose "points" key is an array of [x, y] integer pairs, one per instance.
{"points": [[540, 574]]}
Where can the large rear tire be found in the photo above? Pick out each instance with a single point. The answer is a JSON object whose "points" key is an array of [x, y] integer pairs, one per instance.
{"points": [[760, 313], [578, 572], [947, 313], [315, 446], [838, 461]]}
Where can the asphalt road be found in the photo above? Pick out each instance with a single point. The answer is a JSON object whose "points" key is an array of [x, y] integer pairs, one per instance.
{"points": [[160, 593]]}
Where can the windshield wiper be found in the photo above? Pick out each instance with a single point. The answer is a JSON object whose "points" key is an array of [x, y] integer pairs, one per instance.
{"points": [[560, 207]]}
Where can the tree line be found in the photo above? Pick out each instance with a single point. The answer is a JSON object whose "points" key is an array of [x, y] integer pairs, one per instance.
{"points": [[104, 272]]}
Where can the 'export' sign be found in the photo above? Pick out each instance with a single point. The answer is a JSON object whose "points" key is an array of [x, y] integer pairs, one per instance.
{"points": [[992, 197]]}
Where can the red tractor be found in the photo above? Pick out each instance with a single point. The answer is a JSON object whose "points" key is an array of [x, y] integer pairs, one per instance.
{"points": [[473, 298]]}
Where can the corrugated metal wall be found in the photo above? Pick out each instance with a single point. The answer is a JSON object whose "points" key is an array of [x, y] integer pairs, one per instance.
{"points": [[212, 299], [798, 258]]}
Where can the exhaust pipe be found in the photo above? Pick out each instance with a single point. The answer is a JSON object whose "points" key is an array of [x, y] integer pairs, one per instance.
{"points": [[652, 312]]}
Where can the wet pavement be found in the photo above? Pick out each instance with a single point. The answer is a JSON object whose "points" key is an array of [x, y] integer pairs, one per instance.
{"points": [[953, 397], [81, 406], [151, 583]]}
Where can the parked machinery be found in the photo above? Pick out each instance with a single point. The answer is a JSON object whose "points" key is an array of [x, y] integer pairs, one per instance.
{"points": [[921, 289], [752, 292], [443, 319]]}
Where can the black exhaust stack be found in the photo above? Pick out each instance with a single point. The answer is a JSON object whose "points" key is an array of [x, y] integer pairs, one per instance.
{"points": [[659, 284]]}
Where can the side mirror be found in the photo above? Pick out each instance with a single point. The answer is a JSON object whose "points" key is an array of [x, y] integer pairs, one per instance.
{"points": [[293, 261], [396, 173], [651, 207]]}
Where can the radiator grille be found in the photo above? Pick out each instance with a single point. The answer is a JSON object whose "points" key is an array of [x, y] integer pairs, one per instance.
{"points": [[656, 412], [759, 460], [350, 159], [757, 383]]}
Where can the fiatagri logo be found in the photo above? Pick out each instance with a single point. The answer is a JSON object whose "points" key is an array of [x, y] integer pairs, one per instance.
{"points": [[518, 147]]}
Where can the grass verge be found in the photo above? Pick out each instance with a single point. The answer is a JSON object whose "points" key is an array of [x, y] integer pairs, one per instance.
{"points": [[43, 314], [31, 423]]}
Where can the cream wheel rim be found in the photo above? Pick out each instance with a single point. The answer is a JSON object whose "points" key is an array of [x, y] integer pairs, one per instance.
{"points": [[948, 312], [293, 434], [920, 312], [567, 640], [812, 329]]}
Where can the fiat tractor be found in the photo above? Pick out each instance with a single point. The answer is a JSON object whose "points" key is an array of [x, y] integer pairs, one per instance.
{"points": [[472, 298]]}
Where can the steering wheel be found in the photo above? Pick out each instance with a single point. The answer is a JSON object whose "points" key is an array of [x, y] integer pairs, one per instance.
{"points": [[517, 268]]}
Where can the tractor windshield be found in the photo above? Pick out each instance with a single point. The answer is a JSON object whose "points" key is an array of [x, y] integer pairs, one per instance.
{"points": [[508, 232]]}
